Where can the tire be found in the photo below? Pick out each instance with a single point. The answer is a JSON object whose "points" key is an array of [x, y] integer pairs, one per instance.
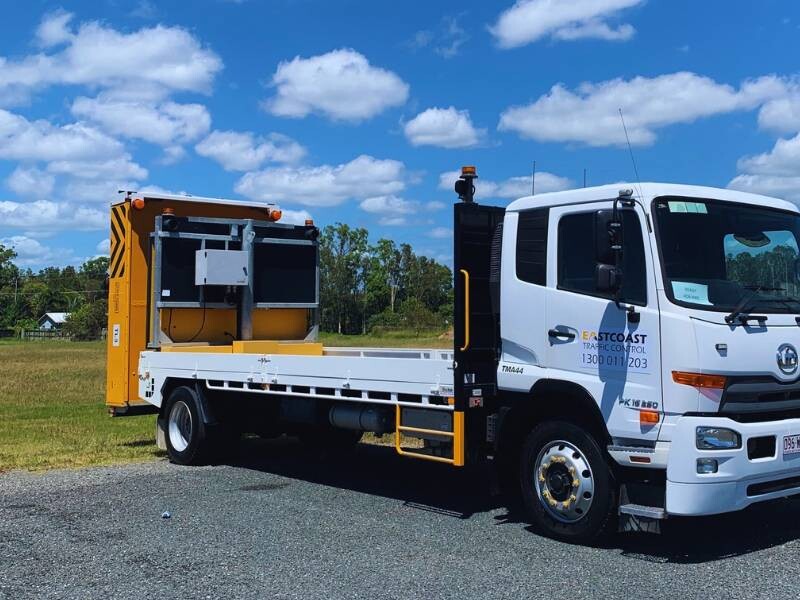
{"points": [[568, 488], [187, 436]]}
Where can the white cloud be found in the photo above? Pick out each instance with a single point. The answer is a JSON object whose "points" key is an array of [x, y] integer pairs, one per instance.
{"points": [[157, 190], [444, 127], [21, 139], [243, 151], [76, 151], [785, 187], [781, 115], [774, 173], [386, 205], [511, 188], [47, 216], [159, 59], [783, 159], [530, 20], [54, 29], [172, 154], [103, 246], [393, 210], [341, 85], [451, 39], [590, 115], [441, 233], [31, 252], [119, 168], [145, 10], [446, 41], [166, 123], [294, 217], [31, 183], [324, 185]]}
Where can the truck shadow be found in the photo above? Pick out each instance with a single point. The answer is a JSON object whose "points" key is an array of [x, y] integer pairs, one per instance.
{"points": [[463, 493]]}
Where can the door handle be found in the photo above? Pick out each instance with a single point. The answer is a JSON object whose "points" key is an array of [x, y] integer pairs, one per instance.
{"points": [[556, 333]]}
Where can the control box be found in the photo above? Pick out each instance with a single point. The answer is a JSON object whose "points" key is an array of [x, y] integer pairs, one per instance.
{"points": [[220, 267]]}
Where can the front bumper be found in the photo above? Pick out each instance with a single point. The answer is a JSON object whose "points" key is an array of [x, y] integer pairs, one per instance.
{"points": [[741, 480]]}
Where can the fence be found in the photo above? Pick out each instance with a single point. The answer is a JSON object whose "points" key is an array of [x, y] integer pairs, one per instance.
{"points": [[44, 334]]}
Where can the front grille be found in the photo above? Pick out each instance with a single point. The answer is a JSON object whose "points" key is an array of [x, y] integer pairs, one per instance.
{"points": [[760, 398], [779, 485]]}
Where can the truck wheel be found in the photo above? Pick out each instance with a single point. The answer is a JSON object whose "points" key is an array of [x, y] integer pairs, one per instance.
{"points": [[186, 435], [567, 486]]}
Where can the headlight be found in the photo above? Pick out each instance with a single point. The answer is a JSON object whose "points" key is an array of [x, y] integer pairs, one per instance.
{"points": [[717, 438]]}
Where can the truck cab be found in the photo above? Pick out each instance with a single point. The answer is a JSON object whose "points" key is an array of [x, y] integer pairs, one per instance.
{"points": [[662, 320]]}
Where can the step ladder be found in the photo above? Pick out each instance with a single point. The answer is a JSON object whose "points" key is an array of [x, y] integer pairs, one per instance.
{"points": [[456, 436]]}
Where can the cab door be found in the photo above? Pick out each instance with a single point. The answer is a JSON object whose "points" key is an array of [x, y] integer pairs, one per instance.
{"points": [[611, 350]]}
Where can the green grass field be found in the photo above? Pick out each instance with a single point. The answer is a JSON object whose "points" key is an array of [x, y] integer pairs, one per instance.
{"points": [[52, 411]]}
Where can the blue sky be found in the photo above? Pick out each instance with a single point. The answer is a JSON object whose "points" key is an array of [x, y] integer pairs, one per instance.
{"points": [[358, 111]]}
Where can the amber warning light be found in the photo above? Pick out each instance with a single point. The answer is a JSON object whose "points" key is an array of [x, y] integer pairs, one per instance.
{"points": [[464, 186]]}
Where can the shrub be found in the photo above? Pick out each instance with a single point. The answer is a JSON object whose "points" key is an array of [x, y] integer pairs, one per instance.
{"points": [[88, 321]]}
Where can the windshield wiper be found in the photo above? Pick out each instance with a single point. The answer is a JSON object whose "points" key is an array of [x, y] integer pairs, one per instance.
{"points": [[743, 307]]}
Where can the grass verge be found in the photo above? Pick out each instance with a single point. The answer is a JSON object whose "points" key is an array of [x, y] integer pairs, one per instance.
{"points": [[52, 411]]}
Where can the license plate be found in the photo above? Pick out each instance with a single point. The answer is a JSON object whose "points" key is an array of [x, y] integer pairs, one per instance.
{"points": [[791, 444]]}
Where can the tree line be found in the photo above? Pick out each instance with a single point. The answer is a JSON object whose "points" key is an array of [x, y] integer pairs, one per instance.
{"points": [[26, 295], [363, 287]]}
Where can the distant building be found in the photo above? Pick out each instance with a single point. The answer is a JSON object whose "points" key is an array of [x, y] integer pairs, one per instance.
{"points": [[52, 320]]}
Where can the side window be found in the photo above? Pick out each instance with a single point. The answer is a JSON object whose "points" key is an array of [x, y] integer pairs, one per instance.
{"points": [[576, 257], [532, 246]]}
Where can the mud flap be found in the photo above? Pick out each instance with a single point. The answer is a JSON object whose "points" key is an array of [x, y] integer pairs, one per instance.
{"points": [[161, 433]]}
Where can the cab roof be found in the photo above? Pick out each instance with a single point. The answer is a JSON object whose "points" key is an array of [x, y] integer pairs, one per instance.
{"points": [[646, 192]]}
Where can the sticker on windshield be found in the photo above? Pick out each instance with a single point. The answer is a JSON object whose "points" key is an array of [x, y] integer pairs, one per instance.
{"points": [[614, 351], [676, 206], [697, 293]]}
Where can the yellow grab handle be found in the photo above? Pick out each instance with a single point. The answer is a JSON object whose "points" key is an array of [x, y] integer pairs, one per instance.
{"points": [[465, 273]]}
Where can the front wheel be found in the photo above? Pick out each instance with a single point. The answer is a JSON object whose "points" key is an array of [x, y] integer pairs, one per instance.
{"points": [[567, 486]]}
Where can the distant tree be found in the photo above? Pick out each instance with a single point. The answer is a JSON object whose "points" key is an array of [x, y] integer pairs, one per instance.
{"points": [[8, 270], [342, 264], [88, 321], [10, 308]]}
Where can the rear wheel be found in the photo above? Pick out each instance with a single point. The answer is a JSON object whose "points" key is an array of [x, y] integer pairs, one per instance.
{"points": [[567, 486], [187, 436]]}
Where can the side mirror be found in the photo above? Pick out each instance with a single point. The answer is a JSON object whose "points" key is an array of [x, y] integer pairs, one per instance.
{"points": [[608, 237], [797, 269], [608, 251], [607, 278]]}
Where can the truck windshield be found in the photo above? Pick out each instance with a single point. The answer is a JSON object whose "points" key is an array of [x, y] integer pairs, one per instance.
{"points": [[716, 255]]}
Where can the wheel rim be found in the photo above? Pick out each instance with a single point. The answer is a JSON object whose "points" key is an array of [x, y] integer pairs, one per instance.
{"points": [[180, 426], [564, 481]]}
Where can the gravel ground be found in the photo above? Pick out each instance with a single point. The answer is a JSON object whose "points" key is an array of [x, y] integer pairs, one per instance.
{"points": [[283, 524]]}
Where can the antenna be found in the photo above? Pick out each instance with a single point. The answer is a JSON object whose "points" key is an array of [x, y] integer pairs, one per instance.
{"points": [[533, 179], [584, 178], [630, 150]]}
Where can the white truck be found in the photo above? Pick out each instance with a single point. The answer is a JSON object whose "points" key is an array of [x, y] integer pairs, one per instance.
{"points": [[620, 355]]}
